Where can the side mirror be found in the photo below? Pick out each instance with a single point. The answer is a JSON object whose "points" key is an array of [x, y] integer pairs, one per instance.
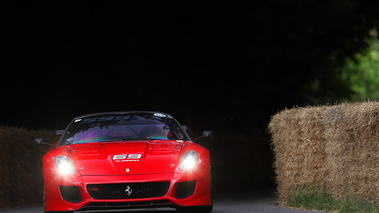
{"points": [[206, 134], [40, 141]]}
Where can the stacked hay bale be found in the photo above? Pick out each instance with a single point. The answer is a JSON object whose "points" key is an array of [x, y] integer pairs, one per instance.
{"points": [[5, 170], [336, 147], [299, 148], [21, 166], [353, 150]]}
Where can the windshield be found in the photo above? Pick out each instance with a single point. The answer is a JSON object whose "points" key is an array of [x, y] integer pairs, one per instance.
{"points": [[119, 127]]}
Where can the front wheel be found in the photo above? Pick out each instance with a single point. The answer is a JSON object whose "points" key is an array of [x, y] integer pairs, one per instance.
{"points": [[43, 200]]}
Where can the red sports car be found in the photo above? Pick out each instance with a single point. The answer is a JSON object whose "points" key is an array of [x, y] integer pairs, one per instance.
{"points": [[123, 160]]}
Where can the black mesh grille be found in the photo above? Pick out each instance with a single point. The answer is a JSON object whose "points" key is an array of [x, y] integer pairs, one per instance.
{"points": [[185, 189], [128, 190], [71, 194]]}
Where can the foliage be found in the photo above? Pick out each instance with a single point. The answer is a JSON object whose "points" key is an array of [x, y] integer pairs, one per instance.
{"points": [[314, 197], [362, 71]]}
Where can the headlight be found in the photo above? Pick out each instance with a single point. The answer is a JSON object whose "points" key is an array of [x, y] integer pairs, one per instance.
{"points": [[189, 160], [64, 165]]}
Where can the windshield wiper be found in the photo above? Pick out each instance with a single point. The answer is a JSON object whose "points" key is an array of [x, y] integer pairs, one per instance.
{"points": [[108, 140], [136, 139], [128, 139]]}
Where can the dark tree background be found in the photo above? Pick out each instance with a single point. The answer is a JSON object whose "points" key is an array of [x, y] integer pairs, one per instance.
{"points": [[227, 66], [221, 65]]}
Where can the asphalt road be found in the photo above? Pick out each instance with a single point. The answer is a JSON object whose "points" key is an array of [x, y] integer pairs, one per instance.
{"points": [[263, 201]]}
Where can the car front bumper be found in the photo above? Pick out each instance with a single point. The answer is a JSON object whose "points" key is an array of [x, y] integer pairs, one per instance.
{"points": [[84, 193]]}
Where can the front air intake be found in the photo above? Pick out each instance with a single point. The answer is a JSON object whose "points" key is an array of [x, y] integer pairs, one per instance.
{"points": [[71, 194], [185, 189]]}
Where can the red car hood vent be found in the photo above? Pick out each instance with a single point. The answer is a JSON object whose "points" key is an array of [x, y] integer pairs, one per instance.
{"points": [[123, 158]]}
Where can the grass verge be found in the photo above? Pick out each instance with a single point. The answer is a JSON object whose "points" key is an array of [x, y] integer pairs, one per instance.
{"points": [[317, 198]]}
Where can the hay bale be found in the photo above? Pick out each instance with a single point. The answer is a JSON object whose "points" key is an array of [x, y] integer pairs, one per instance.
{"points": [[5, 169], [331, 146], [353, 150], [298, 147], [21, 166]]}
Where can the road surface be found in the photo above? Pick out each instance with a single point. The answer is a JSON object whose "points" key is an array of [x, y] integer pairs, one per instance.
{"points": [[224, 203]]}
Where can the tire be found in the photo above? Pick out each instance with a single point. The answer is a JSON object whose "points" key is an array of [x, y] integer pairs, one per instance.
{"points": [[44, 200]]}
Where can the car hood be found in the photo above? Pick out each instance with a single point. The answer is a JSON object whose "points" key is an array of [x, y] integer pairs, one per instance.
{"points": [[99, 158]]}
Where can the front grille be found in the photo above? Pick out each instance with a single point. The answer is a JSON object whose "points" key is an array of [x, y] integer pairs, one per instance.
{"points": [[128, 190]]}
